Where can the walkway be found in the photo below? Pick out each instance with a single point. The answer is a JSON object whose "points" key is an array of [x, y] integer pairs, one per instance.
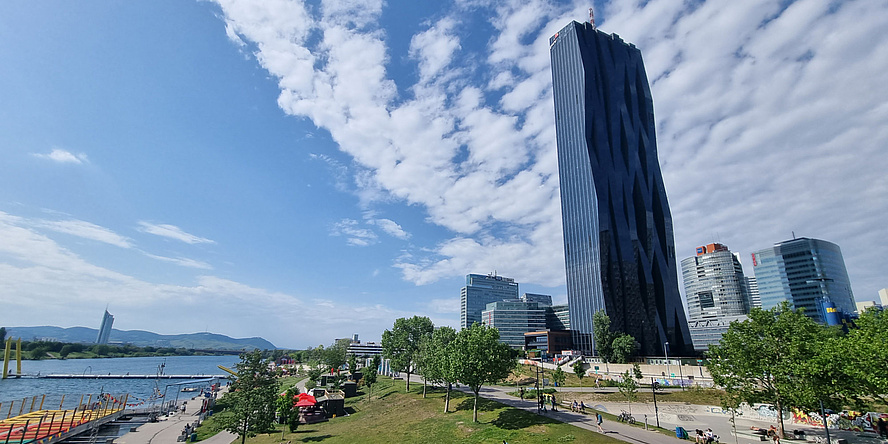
{"points": [[169, 428]]}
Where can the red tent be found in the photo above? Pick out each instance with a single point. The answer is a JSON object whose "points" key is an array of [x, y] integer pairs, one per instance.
{"points": [[306, 400]]}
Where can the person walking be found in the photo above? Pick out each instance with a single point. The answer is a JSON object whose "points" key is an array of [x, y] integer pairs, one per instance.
{"points": [[554, 403], [882, 426], [598, 421]]}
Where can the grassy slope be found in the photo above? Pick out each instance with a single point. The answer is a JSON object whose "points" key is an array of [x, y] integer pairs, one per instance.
{"points": [[395, 416]]}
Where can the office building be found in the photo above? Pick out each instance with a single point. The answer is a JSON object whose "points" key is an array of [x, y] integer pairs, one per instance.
{"points": [[481, 290], [543, 299], [513, 319], [714, 284], [558, 317], [883, 297], [752, 288], [619, 250], [549, 342], [105, 328], [809, 273]]}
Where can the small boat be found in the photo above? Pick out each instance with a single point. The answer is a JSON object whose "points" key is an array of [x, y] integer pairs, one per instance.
{"points": [[190, 389]]}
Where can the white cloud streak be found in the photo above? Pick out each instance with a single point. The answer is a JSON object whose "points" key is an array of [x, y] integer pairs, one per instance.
{"points": [[172, 232], [62, 156]]}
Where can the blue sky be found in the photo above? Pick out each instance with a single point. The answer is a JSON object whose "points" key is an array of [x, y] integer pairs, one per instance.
{"points": [[303, 171]]}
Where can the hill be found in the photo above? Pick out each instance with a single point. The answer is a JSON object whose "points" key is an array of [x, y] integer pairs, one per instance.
{"points": [[140, 338]]}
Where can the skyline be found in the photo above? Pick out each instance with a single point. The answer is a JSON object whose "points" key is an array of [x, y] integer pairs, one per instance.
{"points": [[152, 162]]}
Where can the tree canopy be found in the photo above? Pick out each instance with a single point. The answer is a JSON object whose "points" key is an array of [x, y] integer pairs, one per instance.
{"points": [[435, 361], [252, 397], [480, 358], [604, 337], [401, 343]]}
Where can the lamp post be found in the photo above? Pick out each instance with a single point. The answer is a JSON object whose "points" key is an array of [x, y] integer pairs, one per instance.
{"points": [[654, 391], [666, 352]]}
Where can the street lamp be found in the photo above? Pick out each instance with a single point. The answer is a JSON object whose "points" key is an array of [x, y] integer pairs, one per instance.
{"points": [[666, 352]]}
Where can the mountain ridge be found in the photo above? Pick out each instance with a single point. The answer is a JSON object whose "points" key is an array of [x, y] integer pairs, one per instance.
{"points": [[141, 338]]}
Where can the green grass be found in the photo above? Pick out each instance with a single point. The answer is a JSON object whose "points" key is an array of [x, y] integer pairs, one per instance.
{"points": [[395, 416]]}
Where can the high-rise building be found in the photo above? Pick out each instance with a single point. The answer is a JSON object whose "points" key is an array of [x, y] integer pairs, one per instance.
{"points": [[714, 284], [558, 317], [619, 250], [716, 292], [752, 287], [809, 273], [105, 328], [542, 299], [513, 319], [883, 297], [481, 290]]}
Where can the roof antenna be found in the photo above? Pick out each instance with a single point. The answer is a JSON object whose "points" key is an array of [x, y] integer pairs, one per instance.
{"points": [[592, 17]]}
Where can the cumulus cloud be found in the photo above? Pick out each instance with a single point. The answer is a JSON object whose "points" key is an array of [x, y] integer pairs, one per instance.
{"points": [[770, 118], [61, 156], [391, 227], [172, 232]]}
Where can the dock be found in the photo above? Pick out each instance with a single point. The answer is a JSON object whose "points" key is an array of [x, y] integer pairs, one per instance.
{"points": [[128, 376], [50, 426]]}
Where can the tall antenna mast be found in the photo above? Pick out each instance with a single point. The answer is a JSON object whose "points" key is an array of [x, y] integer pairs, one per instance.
{"points": [[592, 17]]}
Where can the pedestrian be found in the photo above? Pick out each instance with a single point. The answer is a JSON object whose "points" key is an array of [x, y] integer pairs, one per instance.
{"points": [[772, 433], [882, 426], [574, 407], [598, 421], [521, 392], [582, 407], [698, 438], [554, 403], [710, 437]]}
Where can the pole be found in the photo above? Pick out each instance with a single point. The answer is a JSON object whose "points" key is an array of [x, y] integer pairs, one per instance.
{"points": [[680, 376], [825, 427], [656, 411]]}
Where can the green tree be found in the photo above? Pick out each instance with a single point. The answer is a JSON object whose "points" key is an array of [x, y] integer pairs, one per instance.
{"points": [[628, 386], [2, 334], [352, 364], [579, 368], [479, 358], [435, 362], [604, 337], [401, 343], [252, 397], [768, 359], [559, 376], [335, 356], [855, 366], [286, 407], [623, 348], [369, 374]]}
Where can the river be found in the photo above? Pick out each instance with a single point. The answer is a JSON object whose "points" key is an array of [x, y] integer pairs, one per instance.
{"points": [[139, 389]]}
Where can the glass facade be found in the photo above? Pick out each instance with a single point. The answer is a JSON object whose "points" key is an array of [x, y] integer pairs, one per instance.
{"points": [[513, 319], [715, 286], [618, 243], [481, 290], [804, 272]]}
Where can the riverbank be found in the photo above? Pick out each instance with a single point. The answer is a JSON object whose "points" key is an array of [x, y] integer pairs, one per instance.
{"points": [[168, 428]]}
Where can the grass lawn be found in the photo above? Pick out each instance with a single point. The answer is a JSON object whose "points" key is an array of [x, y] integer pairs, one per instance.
{"points": [[393, 416]]}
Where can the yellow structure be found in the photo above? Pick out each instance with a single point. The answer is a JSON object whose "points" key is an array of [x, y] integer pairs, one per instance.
{"points": [[18, 357]]}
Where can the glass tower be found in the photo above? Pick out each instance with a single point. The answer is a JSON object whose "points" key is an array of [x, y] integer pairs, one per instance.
{"points": [[481, 290], [714, 284], [619, 250], [105, 328], [806, 272]]}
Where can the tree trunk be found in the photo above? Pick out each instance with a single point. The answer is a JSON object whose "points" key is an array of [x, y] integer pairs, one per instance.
{"points": [[475, 409], [423, 387], [447, 399], [408, 380], [780, 430]]}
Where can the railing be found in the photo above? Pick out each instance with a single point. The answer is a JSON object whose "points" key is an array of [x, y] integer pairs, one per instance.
{"points": [[39, 424]]}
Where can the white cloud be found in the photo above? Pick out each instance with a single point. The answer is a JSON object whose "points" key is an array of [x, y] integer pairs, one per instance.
{"points": [[61, 156], [185, 262], [86, 230], [172, 232], [46, 277], [770, 118], [390, 227], [355, 236]]}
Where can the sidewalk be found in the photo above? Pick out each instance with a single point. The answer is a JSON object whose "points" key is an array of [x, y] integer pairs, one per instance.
{"points": [[168, 429]]}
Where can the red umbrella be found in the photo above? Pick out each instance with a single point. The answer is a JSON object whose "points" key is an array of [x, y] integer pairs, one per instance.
{"points": [[304, 396], [305, 403]]}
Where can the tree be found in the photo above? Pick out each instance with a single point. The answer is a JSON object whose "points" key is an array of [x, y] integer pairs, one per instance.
{"points": [[2, 334], [768, 358], [369, 375], [559, 376], [286, 406], [604, 337], [334, 357], [623, 348], [352, 363], [435, 362], [579, 368], [401, 343], [857, 363], [629, 385], [479, 358], [252, 397]]}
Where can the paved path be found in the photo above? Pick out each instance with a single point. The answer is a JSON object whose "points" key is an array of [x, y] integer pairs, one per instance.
{"points": [[167, 429]]}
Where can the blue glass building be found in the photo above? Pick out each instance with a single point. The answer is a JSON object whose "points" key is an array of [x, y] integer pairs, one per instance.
{"points": [[481, 290], [806, 272], [618, 244]]}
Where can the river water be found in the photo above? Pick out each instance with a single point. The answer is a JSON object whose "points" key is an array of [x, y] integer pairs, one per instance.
{"points": [[139, 390]]}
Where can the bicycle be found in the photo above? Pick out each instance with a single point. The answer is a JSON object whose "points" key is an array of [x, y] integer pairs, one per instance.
{"points": [[626, 417]]}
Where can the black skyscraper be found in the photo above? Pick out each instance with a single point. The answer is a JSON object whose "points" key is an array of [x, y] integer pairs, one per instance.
{"points": [[618, 244]]}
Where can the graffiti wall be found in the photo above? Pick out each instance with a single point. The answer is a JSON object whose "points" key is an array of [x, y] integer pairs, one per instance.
{"points": [[846, 420]]}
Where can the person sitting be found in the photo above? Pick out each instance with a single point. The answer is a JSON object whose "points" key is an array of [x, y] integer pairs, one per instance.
{"points": [[710, 437], [582, 407], [698, 437]]}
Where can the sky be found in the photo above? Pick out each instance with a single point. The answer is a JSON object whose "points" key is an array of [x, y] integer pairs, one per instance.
{"points": [[309, 170]]}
